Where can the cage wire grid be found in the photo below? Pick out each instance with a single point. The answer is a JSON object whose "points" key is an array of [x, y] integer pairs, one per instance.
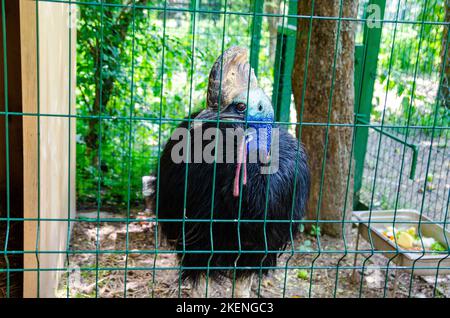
{"points": [[378, 161]]}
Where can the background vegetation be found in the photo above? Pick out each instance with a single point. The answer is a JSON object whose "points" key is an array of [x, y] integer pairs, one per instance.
{"points": [[411, 79]]}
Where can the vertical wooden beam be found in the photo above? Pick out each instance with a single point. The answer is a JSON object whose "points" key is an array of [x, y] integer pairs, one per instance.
{"points": [[28, 40], [49, 141]]}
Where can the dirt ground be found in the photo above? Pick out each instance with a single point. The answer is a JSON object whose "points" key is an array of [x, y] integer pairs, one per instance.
{"points": [[13, 278], [150, 277]]}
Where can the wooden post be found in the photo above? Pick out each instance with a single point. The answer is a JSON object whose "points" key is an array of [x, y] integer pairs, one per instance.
{"points": [[48, 54]]}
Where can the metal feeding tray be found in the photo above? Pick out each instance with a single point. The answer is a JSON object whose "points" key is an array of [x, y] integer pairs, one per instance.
{"points": [[423, 262]]}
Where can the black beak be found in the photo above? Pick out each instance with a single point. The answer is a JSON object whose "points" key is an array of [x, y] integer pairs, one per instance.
{"points": [[231, 115]]}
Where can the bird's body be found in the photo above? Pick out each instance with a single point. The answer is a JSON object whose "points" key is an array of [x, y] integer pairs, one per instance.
{"points": [[245, 217], [208, 198]]}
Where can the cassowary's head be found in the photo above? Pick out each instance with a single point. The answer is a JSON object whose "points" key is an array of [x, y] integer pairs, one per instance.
{"points": [[234, 95], [237, 89]]}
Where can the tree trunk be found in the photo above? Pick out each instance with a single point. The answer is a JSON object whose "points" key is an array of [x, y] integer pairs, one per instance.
{"points": [[330, 200]]}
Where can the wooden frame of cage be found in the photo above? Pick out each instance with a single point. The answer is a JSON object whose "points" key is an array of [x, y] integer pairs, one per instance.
{"points": [[41, 85]]}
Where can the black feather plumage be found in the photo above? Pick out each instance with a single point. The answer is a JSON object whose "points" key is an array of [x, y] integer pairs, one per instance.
{"points": [[222, 237]]}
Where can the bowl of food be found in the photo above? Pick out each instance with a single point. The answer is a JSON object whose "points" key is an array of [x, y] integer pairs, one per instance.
{"points": [[413, 241]]}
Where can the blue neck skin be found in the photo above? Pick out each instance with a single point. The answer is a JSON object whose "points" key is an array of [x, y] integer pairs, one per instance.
{"points": [[262, 135]]}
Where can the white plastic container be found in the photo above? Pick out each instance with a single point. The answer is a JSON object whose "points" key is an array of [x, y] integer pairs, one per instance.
{"points": [[423, 262]]}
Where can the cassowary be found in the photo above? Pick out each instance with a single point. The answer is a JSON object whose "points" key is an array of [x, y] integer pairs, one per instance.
{"points": [[244, 212]]}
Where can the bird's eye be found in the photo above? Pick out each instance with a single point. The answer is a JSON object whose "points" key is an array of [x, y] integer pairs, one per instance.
{"points": [[241, 107]]}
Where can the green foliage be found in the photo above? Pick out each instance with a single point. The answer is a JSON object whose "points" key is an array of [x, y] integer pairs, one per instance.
{"points": [[412, 82], [409, 37], [315, 230], [123, 149]]}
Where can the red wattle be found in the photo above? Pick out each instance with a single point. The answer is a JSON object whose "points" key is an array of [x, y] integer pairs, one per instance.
{"points": [[242, 158]]}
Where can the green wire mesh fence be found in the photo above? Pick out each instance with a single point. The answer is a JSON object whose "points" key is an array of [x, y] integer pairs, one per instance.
{"points": [[142, 67], [427, 154]]}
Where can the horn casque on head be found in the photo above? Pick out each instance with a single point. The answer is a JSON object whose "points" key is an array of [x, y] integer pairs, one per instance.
{"points": [[229, 77]]}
